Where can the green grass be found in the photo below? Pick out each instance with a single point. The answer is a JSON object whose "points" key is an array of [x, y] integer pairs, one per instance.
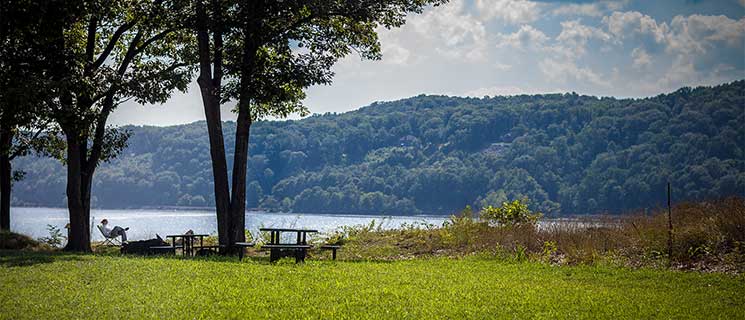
{"points": [[61, 286]]}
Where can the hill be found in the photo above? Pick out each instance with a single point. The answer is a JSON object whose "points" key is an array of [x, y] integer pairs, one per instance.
{"points": [[569, 153]]}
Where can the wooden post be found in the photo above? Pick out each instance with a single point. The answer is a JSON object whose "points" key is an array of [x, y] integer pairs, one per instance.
{"points": [[669, 228]]}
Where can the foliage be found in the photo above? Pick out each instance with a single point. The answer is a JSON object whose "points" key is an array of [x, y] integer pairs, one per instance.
{"points": [[475, 287], [511, 213], [707, 236], [55, 237], [569, 154]]}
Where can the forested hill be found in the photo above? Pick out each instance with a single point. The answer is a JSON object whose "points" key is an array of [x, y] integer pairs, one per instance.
{"points": [[569, 154]]}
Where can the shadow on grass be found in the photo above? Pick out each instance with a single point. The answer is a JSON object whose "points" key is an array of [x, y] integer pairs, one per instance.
{"points": [[20, 258]]}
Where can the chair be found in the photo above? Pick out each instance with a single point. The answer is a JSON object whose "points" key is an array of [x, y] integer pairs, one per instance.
{"points": [[114, 241]]}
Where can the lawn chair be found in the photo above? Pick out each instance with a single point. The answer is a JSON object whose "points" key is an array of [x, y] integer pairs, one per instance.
{"points": [[108, 240]]}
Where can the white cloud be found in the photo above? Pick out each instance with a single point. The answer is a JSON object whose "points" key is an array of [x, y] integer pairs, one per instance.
{"points": [[697, 48], [640, 58], [595, 9], [563, 71], [501, 66], [572, 41], [626, 24], [526, 37], [509, 11], [697, 33], [394, 53], [453, 32]]}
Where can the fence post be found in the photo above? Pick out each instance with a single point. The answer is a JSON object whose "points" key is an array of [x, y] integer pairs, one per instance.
{"points": [[669, 228]]}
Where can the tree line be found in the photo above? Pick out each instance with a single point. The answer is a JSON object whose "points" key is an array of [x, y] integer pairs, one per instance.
{"points": [[569, 154], [65, 65]]}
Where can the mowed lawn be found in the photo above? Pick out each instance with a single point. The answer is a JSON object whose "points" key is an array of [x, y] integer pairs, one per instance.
{"points": [[58, 286]]}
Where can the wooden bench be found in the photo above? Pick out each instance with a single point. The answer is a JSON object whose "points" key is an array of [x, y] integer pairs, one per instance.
{"points": [[278, 251], [333, 248], [242, 246]]}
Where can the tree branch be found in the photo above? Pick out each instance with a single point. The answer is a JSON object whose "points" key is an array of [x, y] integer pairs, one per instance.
{"points": [[110, 46], [156, 37], [91, 44], [25, 147]]}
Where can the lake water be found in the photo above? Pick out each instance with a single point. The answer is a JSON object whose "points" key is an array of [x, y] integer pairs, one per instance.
{"points": [[145, 223]]}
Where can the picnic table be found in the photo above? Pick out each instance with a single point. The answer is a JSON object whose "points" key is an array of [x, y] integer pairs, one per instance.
{"points": [[278, 249], [187, 242]]}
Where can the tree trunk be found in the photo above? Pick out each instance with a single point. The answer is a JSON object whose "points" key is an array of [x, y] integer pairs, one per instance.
{"points": [[210, 85], [6, 140], [240, 163], [219, 164], [80, 236]]}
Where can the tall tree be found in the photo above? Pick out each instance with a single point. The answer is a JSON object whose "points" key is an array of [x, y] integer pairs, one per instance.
{"points": [[269, 52], [21, 76], [104, 53]]}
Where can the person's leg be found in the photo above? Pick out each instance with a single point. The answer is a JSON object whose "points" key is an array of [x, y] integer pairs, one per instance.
{"points": [[118, 231]]}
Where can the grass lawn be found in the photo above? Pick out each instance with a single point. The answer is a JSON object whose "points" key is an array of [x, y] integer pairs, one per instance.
{"points": [[62, 286]]}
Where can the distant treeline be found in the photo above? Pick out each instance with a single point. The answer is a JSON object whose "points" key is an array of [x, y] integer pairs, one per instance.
{"points": [[569, 154]]}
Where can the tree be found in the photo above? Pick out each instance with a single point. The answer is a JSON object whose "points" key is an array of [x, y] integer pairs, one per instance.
{"points": [[270, 51], [103, 53], [21, 121]]}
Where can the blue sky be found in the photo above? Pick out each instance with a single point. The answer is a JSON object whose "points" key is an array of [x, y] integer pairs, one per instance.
{"points": [[506, 47]]}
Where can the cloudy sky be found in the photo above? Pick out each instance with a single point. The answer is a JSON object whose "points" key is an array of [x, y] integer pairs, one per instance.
{"points": [[505, 47]]}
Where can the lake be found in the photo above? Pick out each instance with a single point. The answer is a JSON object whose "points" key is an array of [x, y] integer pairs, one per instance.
{"points": [[145, 223]]}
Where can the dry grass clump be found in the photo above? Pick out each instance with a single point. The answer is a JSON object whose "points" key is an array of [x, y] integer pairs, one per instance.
{"points": [[707, 236]]}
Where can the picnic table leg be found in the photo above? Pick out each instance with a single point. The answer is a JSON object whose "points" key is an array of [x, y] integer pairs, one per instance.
{"points": [[299, 255], [333, 254], [240, 254], [298, 238], [273, 254], [304, 238]]}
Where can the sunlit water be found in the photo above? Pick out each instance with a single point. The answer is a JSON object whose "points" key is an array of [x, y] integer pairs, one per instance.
{"points": [[145, 224]]}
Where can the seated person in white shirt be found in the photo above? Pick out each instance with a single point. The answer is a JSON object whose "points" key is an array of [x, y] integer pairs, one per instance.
{"points": [[117, 231]]}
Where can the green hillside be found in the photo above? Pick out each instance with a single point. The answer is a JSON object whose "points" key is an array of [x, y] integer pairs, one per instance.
{"points": [[570, 154]]}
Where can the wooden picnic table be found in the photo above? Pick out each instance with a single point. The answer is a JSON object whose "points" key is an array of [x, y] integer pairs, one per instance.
{"points": [[278, 249], [187, 242]]}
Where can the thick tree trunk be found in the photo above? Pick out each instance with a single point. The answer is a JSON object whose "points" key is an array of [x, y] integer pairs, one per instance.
{"points": [[80, 236], [210, 84], [219, 164], [6, 140], [240, 164]]}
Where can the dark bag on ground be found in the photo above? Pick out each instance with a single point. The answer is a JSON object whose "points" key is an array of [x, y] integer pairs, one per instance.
{"points": [[143, 246]]}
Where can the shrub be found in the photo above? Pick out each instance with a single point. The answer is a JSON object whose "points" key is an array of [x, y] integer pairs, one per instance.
{"points": [[511, 213], [55, 237], [15, 241]]}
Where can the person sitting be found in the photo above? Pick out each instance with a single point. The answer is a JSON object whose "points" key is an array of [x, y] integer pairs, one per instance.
{"points": [[117, 231]]}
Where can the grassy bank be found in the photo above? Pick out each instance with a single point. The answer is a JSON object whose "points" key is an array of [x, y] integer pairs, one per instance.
{"points": [[707, 236], [45, 286]]}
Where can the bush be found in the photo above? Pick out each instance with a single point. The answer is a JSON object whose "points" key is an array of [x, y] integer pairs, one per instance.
{"points": [[15, 241], [55, 237], [511, 213]]}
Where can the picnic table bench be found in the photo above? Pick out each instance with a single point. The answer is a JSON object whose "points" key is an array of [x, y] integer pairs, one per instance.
{"points": [[333, 248], [187, 244], [242, 246], [277, 250]]}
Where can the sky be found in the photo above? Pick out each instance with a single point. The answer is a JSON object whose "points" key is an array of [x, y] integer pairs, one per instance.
{"points": [[477, 48]]}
